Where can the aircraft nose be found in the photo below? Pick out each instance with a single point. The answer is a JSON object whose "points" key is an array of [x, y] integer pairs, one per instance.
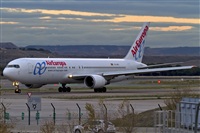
{"points": [[6, 73], [10, 73]]}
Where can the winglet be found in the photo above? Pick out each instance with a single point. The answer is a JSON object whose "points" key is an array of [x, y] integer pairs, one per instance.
{"points": [[137, 49]]}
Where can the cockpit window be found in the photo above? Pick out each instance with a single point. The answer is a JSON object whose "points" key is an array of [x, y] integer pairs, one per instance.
{"points": [[13, 66]]}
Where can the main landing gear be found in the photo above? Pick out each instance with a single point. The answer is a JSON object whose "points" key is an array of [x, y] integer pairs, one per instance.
{"points": [[17, 90], [100, 89], [64, 89]]}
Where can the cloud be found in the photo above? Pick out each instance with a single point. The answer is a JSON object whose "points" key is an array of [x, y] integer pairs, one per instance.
{"points": [[63, 18], [54, 12], [37, 28], [114, 18], [105, 23], [169, 28], [45, 18], [12, 23], [158, 19]]}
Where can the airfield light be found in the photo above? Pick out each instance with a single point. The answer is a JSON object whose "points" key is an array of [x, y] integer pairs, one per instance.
{"points": [[159, 81]]}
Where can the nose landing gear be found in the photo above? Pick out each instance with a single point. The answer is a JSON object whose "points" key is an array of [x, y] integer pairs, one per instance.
{"points": [[16, 85]]}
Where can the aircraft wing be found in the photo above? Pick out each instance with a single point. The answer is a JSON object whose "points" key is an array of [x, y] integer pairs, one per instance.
{"points": [[160, 65], [129, 72]]}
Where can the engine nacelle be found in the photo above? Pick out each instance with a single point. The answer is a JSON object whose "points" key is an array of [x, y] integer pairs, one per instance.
{"points": [[95, 81], [33, 85]]}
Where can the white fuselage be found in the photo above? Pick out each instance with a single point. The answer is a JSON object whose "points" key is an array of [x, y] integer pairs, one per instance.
{"points": [[58, 70]]}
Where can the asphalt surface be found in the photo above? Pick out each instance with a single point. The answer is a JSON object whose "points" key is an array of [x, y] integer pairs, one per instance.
{"points": [[67, 102], [15, 108], [8, 85]]}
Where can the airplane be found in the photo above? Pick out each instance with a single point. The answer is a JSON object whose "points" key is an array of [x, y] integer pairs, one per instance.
{"points": [[95, 73]]}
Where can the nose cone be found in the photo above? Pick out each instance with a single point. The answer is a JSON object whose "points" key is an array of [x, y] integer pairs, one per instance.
{"points": [[5, 73]]}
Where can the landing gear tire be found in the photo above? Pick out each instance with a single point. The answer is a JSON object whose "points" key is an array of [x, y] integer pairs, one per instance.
{"points": [[100, 89], [68, 89], [64, 89], [77, 131], [60, 89], [95, 90], [17, 90], [104, 89]]}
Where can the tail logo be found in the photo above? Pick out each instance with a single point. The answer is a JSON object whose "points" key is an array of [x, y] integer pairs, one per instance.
{"points": [[139, 42], [140, 52]]}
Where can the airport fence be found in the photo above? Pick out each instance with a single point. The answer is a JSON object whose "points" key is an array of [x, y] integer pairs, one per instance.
{"points": [[185, 120], [64, 121]]}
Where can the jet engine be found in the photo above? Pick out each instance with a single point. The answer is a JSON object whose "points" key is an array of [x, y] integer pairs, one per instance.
{"points": [[95, 81], [33, 85]]}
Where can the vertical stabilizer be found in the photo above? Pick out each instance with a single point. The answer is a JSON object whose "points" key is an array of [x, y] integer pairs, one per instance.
{"points": [[137, 49]]}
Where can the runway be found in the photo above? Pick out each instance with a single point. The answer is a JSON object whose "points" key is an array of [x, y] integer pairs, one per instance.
{"points": [[141, 98], [143, 94], [137, 81], [15, 107], [139, 87]]}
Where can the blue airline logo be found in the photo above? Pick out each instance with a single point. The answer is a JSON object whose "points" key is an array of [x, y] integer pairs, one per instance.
{"points": [[40, 68]]}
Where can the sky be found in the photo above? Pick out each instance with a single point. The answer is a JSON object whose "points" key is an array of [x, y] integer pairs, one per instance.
{"points": [[174, 23]]}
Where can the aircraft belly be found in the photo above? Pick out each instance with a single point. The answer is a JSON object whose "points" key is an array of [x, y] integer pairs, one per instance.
{"points": [[39, 79]]}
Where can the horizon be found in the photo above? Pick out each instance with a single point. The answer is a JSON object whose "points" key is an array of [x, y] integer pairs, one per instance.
{"points": [[1, 43]]}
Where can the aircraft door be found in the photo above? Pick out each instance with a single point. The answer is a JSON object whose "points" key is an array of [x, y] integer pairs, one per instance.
{"points": [[30, 68]]}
